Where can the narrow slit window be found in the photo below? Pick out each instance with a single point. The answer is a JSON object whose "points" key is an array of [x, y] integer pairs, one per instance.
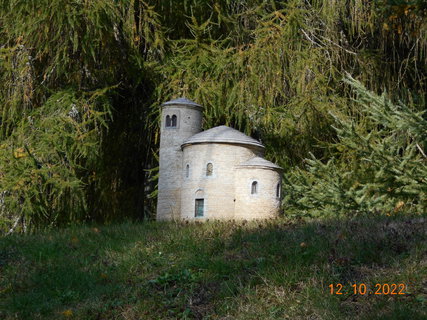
{"points": [[278, 191], [168, 121], [199, 208], [174, 119], [187, 170], [254, 187], [209, 169]]}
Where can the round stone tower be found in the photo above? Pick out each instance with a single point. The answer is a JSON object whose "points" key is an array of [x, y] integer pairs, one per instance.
{"points": [[258, 189], [210, 157], [180, 119]]}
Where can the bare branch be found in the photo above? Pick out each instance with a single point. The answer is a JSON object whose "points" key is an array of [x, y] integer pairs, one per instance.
{"points": [[309, 39], [14, 226], [421, 150], [336, 44]]}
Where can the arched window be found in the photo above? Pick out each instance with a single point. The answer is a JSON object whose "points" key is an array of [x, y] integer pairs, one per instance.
{"points": [[168, 121], [254, 187], [209, 169], [278, 190], [187, 170], [174, 118], [199, 208]]}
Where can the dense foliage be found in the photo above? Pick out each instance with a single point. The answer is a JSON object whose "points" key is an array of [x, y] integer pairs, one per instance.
{"points": [[382, 167], [81, 83]]}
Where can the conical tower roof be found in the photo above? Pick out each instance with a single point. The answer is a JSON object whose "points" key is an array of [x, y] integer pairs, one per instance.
{"points": [[260, 162], [181, 102], [222, 134]]}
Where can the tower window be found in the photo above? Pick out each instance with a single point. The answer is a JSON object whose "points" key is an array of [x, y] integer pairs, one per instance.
{"points": [[171, 121], [209, 169], [254, 187], [187, 170], [278, 191], [199, 208], [168, 121]]}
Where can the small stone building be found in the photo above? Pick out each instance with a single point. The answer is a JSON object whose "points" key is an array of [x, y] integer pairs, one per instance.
{"points": [[219, 173]]}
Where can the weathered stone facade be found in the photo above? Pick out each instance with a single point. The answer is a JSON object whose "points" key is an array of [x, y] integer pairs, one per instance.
{"points": [[188, 123], [215, 174]]}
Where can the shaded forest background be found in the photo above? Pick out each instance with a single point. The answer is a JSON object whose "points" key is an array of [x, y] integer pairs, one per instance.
{"points": [[81, 83]]}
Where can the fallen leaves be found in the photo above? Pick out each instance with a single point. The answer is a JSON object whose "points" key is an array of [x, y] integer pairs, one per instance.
{"points": [[67, 313]]}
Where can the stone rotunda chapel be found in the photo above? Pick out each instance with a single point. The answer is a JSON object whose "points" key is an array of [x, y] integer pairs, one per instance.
{"points": [[219, 173]]}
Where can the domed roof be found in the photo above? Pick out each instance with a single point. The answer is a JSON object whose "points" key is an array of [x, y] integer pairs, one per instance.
{"points": [[222, 134], [181, 102], [259, 162]]}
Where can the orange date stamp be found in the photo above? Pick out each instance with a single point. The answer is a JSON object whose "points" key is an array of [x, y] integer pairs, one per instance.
{"points": [[364, 289]]}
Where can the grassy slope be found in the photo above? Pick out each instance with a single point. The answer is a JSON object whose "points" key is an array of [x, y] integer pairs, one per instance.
{"points": [[272, 270]]}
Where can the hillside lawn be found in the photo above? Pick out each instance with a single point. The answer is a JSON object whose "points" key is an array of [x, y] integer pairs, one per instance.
{"points": [[276, 269]]}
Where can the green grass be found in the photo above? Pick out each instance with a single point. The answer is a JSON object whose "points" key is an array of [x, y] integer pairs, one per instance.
{"points": [[271, 270]]}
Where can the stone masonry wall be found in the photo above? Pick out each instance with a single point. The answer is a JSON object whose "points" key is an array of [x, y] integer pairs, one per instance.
{"points": [[218, 190], [263, 204], [170, 178]]}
